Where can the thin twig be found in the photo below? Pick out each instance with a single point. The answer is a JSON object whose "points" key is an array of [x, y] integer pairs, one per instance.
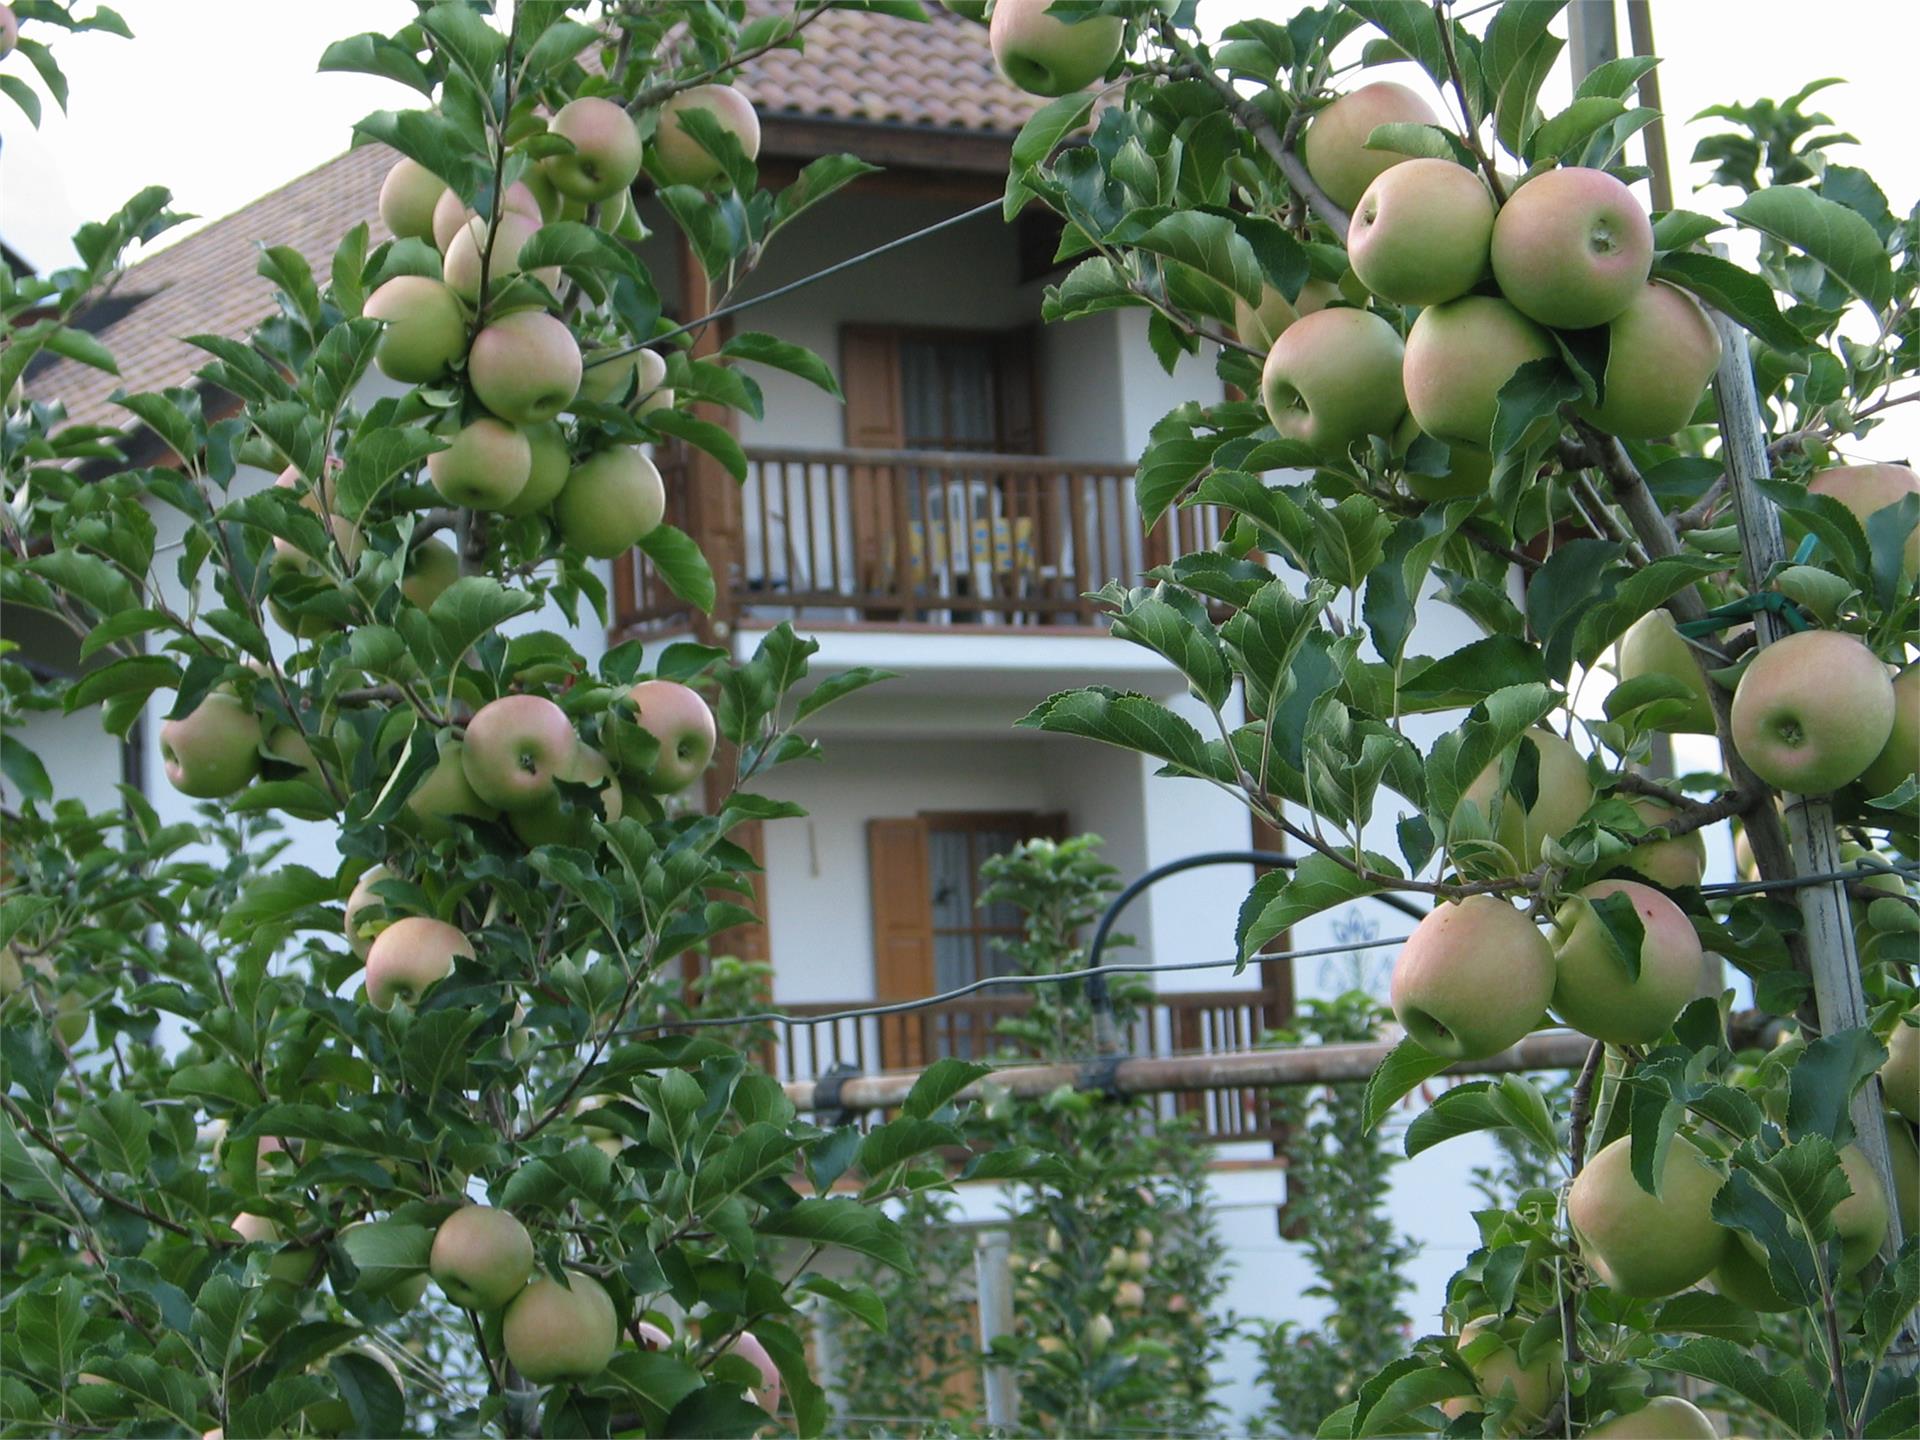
{"points": [[67, 1163]]}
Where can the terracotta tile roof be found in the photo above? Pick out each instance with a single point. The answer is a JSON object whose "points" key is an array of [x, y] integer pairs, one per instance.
{"points": [[858, 67], [862, 66]]}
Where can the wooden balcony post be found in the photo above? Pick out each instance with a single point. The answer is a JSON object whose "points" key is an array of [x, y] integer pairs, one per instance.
{"points": [[713, 508]]}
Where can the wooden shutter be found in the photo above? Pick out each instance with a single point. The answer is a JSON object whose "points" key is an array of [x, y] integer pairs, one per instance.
{"points": [[902, 932], [875, 420]]}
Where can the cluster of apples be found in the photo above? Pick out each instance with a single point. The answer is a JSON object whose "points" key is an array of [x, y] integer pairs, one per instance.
{"points": [[516, 753], [1570, 250]]}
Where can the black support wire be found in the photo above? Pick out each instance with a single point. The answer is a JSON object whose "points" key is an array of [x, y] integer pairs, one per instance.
{"points": [[1094, 972], [805, 280], [1106, 1033]]}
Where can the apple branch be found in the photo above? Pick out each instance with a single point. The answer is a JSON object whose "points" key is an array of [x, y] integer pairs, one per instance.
{"points": [[1280, 149], [72, 1167], [1692, 814], [1469, 131], [666, 89]]}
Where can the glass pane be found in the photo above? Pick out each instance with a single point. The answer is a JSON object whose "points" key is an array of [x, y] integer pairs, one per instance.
{"points": [[1000, 915], [950, 871], [952, 961], [947, 394]]}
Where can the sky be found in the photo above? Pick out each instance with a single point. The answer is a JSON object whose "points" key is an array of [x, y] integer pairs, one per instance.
{"points": [[243, 109]]}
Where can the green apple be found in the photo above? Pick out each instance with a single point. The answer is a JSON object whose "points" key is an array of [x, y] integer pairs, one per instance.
{"points": [[552, 463], [71, 1016], [485, 468], [1572, 248], [407, 198], [1592, 990], [679, 159], [450, 213], [1334, 378], [1534, 1389], [289, 744], [1678, 862], [362, 928], [1900, 1075], [1812, 711], [1562, 796], [682, 724], [409, 957], [749, 1348], [1860, 1220], [615, 374], [469, 247], [432, 566], [1897, 761], [550, 823], [1421, 232], [605, 158], [1459, 355], [1665, 1417], [482, 1257], [1260, 325], [1662, 352], [561, 1331], [446, 793], [1642, 1245], [525, 367], [214, 749], [1653, 646], [516, 747], [1867, 489], [1335, 148], [610, 502], [287, 1267], [1903, 1153], [1043, 54], [426, 330], [1473, 978]]}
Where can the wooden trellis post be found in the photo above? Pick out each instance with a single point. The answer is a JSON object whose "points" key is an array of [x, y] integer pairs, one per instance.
{"points": [[1815, 849]]}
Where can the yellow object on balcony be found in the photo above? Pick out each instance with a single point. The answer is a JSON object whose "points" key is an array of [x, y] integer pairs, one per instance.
{"points": [[999, 545]]}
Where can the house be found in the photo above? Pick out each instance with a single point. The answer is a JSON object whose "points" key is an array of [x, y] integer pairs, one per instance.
{"points": [[945, 523]]}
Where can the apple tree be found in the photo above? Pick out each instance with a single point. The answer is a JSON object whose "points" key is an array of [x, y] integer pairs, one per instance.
{"points": [[1465, 367], [251, 1106]]}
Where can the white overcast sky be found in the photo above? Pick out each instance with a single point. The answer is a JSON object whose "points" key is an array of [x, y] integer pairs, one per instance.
{"points": [[220, 100]]}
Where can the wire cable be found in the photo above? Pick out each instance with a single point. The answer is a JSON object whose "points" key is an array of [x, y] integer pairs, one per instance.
{"points": [[1093, 972], [792, 285]]}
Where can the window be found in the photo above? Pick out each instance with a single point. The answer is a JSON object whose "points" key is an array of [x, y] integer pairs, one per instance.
{"points": [[930, 935]]}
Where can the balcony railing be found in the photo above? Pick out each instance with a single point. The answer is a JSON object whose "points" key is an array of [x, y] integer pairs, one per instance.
{"points": [[909, 536], [1190, 1023]]}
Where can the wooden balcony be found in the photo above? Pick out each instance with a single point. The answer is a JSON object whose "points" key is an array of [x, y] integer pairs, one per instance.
{"points": [[809, 1046], [901, 537]]}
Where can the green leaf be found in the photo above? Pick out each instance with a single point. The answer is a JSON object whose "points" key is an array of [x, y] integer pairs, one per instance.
{"points": [[819, 179], [1044, 130], [1745, 299], [1788, 1398], [1285, 898], [1423, 142], [1405, 1069], [472, 607], [120, 1133], [1823, 1080], [1534, 392], [372, 1394], [23, 768], [1696, 1312], [1133, 722], [1211, 244], [703, 435], [139, 675], [1831, 233], [288, 270], [679, 561], [844, 1223], [79, 345], [1617, 78], [434, 141], [938, 1084], [782, 355], [1570, 129], [574, 246], [1412, 28], [1515, 29], [1682, 229], [466, 39], [377, 55], [838, 687], [1515, 104], [275, 897]]}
